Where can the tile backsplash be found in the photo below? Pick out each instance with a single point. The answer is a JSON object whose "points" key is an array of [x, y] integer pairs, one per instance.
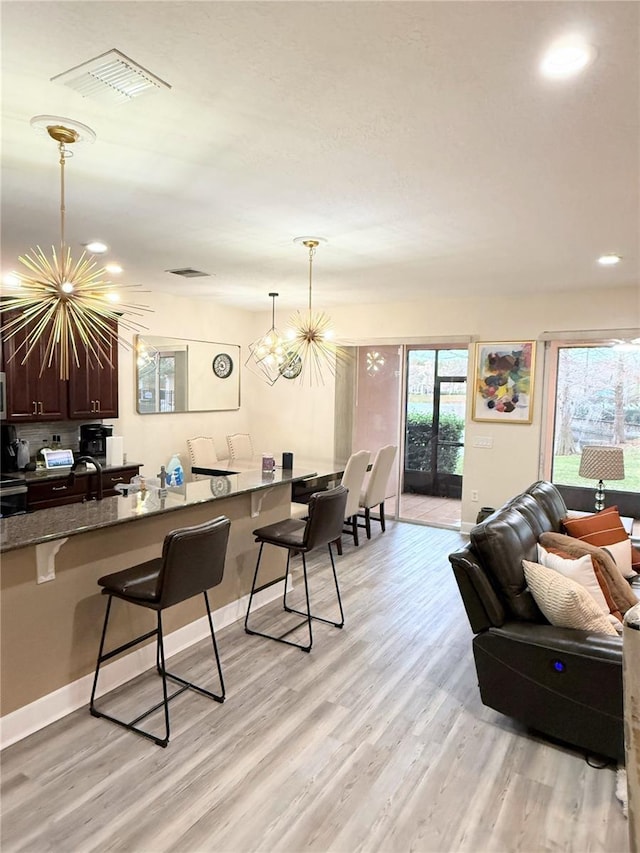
{"points": [[37, 434]]}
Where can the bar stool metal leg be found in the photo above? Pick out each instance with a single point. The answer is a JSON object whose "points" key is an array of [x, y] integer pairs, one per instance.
{"points": [[162, 671], [335, 580], [282, 637]]}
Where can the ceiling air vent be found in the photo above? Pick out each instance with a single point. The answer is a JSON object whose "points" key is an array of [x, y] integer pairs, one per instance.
{"points": [[189, 272], [111, 78]]}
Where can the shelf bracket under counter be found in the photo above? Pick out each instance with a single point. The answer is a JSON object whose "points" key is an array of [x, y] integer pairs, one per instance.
{"points": [[46, 560], [256, 501]]}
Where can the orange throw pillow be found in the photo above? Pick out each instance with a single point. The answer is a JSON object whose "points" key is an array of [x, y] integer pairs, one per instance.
{"points": [[601, 529]]}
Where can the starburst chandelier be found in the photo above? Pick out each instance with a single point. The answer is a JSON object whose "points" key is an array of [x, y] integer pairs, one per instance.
{"points": [[310, 348], [268, 354], [69, 304]]}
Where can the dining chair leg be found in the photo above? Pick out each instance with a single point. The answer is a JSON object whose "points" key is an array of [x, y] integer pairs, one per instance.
{"points": [[382, 517], [339, 545], [367, 522], [354, 527]]}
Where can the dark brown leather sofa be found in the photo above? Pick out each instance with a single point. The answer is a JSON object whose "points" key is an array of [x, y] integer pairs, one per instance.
{"points": [[564, 683]]}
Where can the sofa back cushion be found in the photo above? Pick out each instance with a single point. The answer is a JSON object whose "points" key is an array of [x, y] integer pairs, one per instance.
{"points": [[550, 502], [502, 542], [533, 512]]}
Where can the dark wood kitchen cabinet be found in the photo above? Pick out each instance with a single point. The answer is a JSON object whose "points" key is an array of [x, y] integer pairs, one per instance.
{"points": [[90, 392], [93, 390], [32, 394], [57, 491]]}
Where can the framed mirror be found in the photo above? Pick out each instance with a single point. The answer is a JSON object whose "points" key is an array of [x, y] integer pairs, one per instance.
{"points": [[178, 375]]}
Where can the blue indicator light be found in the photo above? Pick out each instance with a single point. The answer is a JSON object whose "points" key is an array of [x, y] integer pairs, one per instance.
{"points": [[558, 666]]}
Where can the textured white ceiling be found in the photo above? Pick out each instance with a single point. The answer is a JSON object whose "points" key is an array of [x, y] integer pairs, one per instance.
{"points": [[418, 138]]}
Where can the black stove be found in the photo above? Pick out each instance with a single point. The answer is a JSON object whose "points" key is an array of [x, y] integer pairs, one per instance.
{"points": [[13, 495]]}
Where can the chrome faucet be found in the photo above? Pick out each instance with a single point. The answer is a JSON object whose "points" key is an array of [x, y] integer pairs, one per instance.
{"points": [[71, 478]]}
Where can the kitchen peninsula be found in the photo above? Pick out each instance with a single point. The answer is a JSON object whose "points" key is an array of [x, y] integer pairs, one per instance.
{"points": [[52, 609]]}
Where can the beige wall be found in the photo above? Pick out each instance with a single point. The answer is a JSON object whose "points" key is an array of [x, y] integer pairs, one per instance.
{"points": [[288, 416], [513, 462]]}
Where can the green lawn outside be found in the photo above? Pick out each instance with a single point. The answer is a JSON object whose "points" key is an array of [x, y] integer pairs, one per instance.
{"points": [[565, 471]]}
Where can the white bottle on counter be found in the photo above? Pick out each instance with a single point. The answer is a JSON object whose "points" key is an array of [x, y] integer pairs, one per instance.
{"points": [[175, 474]]}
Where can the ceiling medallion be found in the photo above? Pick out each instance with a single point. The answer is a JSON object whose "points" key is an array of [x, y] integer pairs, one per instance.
{"points": [[69, 304]]}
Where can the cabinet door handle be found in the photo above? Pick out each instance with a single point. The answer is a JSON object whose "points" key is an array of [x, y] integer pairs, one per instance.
{"points": [[116, 479], [58, 488], [97, 405], [41, 409], [93, 405], [35, 408]]}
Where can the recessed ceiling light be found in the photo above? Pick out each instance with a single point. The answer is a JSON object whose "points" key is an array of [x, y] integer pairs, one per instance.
{"points": [[609, 260], [567, 57], [96, 247], [114, 269]]}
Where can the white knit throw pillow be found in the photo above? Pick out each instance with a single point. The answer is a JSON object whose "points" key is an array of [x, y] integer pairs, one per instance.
{"points": [[564, 602]]}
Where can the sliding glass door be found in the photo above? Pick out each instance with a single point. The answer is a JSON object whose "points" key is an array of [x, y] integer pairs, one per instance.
{"points": [[415, 397], [434, 423]]}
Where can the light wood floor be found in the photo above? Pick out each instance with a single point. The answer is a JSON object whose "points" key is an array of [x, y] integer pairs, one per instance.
{"points": [[376, 741]]}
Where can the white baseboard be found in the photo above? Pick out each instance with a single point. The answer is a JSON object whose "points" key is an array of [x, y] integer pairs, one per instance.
{"points": [[24, 721], [466, 527]]}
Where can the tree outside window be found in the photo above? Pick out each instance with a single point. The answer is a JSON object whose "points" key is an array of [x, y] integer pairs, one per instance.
{"points": [[597, 402]]}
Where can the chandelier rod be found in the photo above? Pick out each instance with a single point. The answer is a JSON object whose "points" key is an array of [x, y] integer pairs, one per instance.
{"points": [[62, 150], [273, 309], [312, 245]]}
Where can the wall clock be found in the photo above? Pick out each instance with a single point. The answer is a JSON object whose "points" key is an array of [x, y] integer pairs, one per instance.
{"points": [[293, 367], [222, 365]]}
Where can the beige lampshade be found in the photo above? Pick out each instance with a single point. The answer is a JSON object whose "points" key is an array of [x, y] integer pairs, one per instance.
{"points": [[602, 463]]}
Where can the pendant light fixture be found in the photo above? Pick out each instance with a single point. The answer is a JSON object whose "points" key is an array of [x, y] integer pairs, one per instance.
{"points": [[310, 347], [69, 304], [268, 354]]}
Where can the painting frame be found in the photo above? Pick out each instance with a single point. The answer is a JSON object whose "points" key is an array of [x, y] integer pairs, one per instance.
{"points": [[503, 382]]}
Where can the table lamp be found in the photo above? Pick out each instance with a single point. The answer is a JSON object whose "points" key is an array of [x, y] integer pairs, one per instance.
{"points": [[601, 463]]}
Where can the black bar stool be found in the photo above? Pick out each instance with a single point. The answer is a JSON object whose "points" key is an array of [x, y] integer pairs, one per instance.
{"points": [[323, 526], [192, 562]]}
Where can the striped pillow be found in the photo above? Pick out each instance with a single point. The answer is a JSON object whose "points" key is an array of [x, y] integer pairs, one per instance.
{"points": [[602, 529]]}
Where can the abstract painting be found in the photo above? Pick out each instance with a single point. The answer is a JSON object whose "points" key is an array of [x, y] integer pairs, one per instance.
{"points": [[503, 382]]}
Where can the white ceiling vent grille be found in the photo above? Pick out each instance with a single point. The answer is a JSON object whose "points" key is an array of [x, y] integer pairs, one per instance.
{"points": [[111, 78], [189, 272]]}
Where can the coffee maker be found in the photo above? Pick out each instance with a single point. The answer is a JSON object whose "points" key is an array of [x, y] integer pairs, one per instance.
{"points": [[93, 439]]}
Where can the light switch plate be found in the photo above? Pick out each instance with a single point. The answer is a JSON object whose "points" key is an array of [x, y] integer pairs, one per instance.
{"points": [[484, 441]]}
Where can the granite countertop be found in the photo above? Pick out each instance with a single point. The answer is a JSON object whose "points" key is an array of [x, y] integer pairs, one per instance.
{"points": [[46, 525]]}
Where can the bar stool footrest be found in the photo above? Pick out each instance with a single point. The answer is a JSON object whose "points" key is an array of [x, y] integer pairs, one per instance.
{"points": [[316, 618]]}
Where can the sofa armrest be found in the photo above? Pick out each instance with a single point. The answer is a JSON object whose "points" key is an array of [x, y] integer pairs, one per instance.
{"points": [[483, 606]]}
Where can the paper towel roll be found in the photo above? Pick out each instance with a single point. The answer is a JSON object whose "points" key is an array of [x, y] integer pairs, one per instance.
{"points": [[115, 450]]}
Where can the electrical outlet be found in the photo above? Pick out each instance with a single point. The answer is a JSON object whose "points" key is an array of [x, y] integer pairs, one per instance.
{"points": [[474, 495]]}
